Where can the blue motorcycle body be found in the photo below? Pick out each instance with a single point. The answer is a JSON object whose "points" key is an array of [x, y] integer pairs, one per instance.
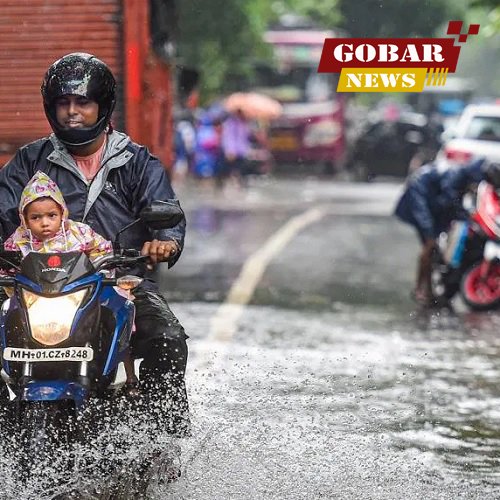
{"points": [[63, 331]]}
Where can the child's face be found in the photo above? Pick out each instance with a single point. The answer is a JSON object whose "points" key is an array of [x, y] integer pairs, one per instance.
{"points": [[74, 111], [43, 218]]}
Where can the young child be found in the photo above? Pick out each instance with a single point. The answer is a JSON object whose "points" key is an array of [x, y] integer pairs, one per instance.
{"points": [[46, 227]]}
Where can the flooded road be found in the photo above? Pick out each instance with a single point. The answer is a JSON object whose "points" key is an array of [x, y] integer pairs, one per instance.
{"points": [[311, 375]]}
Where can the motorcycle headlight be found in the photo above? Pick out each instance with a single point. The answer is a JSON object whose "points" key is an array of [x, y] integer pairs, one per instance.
{"points": [[51, 317]]}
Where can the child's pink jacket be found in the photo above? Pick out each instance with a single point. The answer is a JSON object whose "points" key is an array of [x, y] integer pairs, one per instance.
{"points": [[71, 237]]}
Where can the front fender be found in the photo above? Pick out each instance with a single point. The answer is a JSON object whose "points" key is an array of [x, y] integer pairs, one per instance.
{"points": [[54, 390]]}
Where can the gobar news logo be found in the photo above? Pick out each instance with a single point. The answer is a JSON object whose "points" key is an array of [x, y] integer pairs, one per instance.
{"points": [[393, 64]]}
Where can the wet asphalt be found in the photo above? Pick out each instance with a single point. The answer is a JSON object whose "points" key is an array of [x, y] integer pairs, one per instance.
{"points": [[311, 374]]}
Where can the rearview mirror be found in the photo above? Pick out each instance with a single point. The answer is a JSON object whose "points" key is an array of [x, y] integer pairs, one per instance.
{"points": [[159, 215], [162, 214]]}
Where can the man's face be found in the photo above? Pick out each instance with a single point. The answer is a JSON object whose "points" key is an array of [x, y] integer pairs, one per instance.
{"points": [[74, 111]]}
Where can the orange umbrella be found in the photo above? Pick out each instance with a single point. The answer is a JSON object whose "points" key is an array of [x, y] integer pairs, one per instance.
{"points": [[253, 105]]}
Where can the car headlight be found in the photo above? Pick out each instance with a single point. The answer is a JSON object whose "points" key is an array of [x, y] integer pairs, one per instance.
{"points": [[51, 317]]}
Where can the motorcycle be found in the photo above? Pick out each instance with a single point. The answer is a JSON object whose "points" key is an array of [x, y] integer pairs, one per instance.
{"points": [[466, 259], [480, 284], [63, 332]]}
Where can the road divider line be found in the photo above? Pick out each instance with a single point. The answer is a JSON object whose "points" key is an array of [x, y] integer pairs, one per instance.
{"points": [[225, 321], [210, 357]]}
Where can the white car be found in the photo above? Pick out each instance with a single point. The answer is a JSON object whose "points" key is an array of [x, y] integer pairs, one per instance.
{"points": [[476, 135]]}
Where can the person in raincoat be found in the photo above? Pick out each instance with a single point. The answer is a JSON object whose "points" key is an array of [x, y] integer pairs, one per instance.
{"points": [[46, 227], [432, 199], [207, 152], [235, 143]]}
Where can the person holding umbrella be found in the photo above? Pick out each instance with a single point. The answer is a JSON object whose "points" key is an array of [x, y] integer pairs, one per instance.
{"points": [[235, 143], [238, 135]]}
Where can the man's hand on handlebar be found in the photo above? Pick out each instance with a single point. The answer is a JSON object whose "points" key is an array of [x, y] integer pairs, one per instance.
{"points": [[159, 251]]}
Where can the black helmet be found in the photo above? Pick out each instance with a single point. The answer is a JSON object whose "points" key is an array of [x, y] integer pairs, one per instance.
{"points": [[491, 172], [84, 75]]}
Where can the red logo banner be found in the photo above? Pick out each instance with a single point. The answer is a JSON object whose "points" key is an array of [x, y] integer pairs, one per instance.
{"points": [[341, 53]]}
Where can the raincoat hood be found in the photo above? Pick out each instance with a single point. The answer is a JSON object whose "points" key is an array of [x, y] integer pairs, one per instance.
{"points": [[72, 236], [41, 186]]}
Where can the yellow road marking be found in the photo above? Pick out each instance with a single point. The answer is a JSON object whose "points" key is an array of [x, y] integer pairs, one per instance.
{"points": [[225, 321]]}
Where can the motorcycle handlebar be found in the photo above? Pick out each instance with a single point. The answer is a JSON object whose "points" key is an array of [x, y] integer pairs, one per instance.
{"points": [[10, 254], [127, 259], [10, 259]]}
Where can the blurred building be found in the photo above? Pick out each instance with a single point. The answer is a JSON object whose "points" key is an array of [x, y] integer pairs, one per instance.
{"points": [[134, 37]]}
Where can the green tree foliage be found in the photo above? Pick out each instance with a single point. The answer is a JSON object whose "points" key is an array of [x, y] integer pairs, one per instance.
{"points": [[491, 26], [219, 37], [480, 55], [396, 18], [489, 4], [325, 13]]}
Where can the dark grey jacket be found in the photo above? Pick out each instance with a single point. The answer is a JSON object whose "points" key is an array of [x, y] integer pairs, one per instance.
{"points": [[130, 179]]}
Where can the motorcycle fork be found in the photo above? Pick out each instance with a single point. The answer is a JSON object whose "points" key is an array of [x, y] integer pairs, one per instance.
{"points": [[27, 373]]}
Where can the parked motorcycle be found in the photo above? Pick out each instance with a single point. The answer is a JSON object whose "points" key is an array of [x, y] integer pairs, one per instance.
{"points": [[480, 285], [63, 332], [466, 260]]}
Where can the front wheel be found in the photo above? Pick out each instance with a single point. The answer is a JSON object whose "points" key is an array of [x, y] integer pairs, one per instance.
{"points": [[481, 293], [46, 431]]}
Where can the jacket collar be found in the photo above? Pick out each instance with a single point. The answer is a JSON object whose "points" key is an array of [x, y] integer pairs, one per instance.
{"points": [[115, 154]]}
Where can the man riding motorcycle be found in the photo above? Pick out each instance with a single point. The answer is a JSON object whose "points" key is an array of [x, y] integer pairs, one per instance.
{"points": [[106, 179]]}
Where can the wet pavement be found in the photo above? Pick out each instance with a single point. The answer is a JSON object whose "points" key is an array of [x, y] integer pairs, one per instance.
{"points": [[311, 375]]}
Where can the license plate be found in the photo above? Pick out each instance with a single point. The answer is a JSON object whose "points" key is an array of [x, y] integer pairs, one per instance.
{"points": [[48, 355]]}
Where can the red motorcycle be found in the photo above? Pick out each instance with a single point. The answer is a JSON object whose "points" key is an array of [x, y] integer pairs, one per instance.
{"points": [[480, 284]]}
